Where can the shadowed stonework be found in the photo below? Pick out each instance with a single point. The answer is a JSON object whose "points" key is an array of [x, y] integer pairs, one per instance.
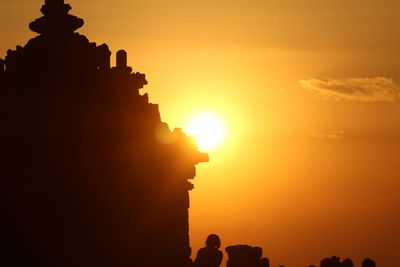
{"points": [[90, 175]]}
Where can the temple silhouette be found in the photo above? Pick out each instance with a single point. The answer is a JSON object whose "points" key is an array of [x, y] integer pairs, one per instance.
{"points": [[90, 175]]}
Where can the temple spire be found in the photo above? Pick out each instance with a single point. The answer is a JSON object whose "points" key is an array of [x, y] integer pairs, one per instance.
{"points": [[56, 19]]}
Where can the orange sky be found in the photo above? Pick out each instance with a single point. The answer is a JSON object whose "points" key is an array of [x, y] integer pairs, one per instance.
{"points": [[310, 94]]}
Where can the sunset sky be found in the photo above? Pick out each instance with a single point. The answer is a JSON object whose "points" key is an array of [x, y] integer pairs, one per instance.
{"points": [[309, 92]]}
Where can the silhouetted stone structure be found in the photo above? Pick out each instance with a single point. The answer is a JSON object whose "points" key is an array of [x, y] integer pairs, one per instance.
{"points": [[335, 262], [90, 175], [245, 256]]}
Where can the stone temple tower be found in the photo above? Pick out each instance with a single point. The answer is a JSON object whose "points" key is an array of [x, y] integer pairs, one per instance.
{"points": [[89, 174]]}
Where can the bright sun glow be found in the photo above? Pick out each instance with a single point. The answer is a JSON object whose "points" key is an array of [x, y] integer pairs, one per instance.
{"points": [[208, 129]]}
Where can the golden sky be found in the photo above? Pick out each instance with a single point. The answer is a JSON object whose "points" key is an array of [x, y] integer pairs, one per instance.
{"points": [[309, 91]]}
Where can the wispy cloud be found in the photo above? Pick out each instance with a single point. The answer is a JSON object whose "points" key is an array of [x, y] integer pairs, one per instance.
{"points": [[337, 135], [376, 89]]}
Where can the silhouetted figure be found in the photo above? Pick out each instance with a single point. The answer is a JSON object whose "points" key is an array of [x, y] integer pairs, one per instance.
{"points": [[368, 263], [210, 255], [347, 263], [335, 261]]}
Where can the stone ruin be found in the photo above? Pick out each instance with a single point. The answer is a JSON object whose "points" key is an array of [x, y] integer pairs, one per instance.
{"points": [[90, 175]]}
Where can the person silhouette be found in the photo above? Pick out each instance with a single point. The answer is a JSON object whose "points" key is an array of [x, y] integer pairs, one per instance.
{"points": [[210, 255], [347, 263], [368, 263]]}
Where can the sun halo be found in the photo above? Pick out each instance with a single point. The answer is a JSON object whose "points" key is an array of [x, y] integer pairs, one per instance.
{"points": [[208, 130]]}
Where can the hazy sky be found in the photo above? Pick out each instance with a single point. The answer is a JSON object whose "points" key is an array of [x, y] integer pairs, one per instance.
{"points": [[310, 93]]}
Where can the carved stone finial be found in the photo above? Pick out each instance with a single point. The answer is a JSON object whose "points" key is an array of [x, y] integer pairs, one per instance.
{"points": [[122, 59], [56, 19], [55, 6], [52, 2]]}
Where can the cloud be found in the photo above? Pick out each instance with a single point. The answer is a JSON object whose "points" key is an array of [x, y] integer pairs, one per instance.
{"points": [[376, 89], [337, 135]]}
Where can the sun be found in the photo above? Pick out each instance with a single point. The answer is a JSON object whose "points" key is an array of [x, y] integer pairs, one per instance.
{"points": [[208, 130]]}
